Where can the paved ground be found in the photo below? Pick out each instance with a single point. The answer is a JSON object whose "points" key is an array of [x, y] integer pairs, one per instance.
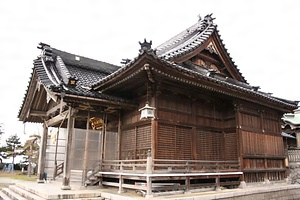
{"points": [[53, 188], [5, 182]]}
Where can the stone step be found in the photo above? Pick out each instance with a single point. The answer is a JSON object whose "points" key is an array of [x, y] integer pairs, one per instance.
{"points": [[53, 191], [12, 195], [24, 193], [4, 196], [90, 198]]}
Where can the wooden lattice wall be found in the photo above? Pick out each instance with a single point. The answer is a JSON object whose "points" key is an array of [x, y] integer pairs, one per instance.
{"points": [[135, 142]]}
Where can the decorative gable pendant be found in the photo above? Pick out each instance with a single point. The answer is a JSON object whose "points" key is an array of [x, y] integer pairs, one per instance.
{"points": [[211, 48], [147, 112]]}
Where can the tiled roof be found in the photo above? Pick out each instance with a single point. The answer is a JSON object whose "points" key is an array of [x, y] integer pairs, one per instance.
{"points": [[233, 84], [190, 39], [201, 74], [55, 69], [85, 63], [293, 119]]}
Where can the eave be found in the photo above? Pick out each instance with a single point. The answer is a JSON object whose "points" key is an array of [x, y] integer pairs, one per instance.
{"points": [[182, 75]]}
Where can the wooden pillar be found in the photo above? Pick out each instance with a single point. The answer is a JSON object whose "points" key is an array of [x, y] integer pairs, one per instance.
{"points": [[153, 138], [194, 130], [154, 126], [121, 181], [42, 154], [67, 159], [86, 149], [100, 154], [187, 185], [298, 138], [149, 163], [218, 183], [103, 137], [239, 139], [119, 137], [149, 187]]}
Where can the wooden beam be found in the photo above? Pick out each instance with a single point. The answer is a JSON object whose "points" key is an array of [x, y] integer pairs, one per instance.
{"points": [[37, 113], [55, 108], [57, 119]]}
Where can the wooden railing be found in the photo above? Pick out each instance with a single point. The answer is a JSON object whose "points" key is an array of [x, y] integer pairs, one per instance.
{"points": [[124, 165], [194, 166], [294, 154], [94, 169], [58, 170], [147, 169], [169, 166]]}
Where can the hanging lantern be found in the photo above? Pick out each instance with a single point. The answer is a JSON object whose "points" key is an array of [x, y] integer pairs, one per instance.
{"points": [[147, 112]]}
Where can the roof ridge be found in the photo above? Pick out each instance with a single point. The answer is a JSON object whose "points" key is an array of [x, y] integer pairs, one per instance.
{"points": [[162, 47], [182, 37], [88, 58], [85, 62], [62, 69]]}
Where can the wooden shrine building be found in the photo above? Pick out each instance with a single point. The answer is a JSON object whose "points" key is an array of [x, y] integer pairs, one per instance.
{"points": [[202, 124]]}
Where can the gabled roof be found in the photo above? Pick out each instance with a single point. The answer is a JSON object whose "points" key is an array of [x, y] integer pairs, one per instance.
{"points": [[56, 68], [188, 40], [59, 71], [203, 34]]}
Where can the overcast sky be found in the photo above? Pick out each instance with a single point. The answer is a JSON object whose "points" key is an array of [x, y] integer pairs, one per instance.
{"points": [[262, 37]]}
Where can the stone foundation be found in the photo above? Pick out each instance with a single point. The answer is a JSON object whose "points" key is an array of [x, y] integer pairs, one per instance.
{"points": [[294, 173]]}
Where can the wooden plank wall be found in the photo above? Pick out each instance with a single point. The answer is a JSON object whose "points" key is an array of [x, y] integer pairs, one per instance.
{"points": [[200, 130], [263, 150], [206, 129]]}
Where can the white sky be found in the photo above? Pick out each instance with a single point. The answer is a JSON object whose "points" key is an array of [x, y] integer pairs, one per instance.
{"points": [[261, 36]]}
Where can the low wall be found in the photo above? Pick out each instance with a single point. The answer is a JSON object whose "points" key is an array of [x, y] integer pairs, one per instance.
{"points": [[294, 172], [278, 191], [282, 193]]}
